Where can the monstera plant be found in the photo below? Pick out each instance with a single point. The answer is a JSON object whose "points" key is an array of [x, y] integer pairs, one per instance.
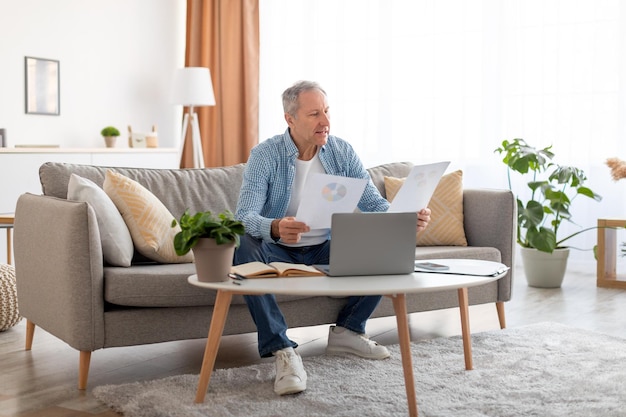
{"points": [[551, 189]]}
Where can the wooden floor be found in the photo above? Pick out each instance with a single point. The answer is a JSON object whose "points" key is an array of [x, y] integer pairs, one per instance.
{"points": [[42, 382]]}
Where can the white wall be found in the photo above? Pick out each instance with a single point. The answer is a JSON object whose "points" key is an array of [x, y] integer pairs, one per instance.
{"points": [[116, 58], [425, 81]]}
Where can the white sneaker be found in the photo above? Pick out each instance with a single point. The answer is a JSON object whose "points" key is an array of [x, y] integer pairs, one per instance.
{"points": [[290, 374], [342, 340]]}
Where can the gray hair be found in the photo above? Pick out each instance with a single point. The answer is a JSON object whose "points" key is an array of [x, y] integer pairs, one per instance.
{"points": [[290, 95]]}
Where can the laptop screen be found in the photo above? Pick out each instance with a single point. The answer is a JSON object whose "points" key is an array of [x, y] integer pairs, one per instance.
{"points": [[372, 244]]}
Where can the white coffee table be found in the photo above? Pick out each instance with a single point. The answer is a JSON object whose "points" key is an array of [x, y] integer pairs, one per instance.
{"points": [[394, 286]]}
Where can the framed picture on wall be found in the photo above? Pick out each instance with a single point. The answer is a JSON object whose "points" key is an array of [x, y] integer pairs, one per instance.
{"points": [[42, 78]]}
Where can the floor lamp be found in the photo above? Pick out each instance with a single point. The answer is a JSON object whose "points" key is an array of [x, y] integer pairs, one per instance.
{"points": [[192, 87]]}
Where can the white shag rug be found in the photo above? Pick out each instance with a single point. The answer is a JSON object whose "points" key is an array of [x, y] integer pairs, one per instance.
{"points": [[545, 369]]}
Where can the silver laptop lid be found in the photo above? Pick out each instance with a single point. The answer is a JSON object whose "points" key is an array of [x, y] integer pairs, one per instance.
{"points": [[372, 244]]}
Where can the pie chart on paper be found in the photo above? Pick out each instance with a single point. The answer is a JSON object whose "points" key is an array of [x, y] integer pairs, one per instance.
{"points": [[334, 191], [328, 194]]}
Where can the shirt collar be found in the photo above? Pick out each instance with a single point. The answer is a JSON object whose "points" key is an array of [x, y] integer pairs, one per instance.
{"points": [[291, 147]]}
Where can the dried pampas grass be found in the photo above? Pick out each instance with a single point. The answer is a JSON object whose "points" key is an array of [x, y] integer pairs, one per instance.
{"points": [[618, 168]]}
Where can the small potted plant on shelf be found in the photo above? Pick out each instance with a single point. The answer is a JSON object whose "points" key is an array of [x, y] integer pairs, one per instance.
{"points": [[552, 189], [212, 239], [110, 135]]}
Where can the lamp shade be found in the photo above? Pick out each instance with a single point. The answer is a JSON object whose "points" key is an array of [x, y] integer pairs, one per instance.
{"points": [[192, 86]]}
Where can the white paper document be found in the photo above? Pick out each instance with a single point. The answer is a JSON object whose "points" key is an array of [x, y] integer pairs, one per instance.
{"points": [[465, 267], [418, 188], [327, 194]]}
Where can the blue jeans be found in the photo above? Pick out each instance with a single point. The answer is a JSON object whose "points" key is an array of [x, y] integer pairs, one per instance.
{"points": [[269, 320]]}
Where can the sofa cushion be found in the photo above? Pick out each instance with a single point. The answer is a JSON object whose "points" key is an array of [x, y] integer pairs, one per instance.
{"points": [[165, 285], [393, 169], [148, 220], [446, 204], [161, 285], [212, 189], [221, 184], [117, 244]]}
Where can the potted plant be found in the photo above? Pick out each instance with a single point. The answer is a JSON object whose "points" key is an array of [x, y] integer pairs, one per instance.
{"points": [[552, 188], [110, 135], [212, 239]]}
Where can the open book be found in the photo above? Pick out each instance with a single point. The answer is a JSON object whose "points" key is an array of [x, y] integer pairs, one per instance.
{"points": [[275, 269]]}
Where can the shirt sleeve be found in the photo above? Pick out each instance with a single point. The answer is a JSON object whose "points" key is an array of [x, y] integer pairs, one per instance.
{"points": [[263, 196], [253, 197]]}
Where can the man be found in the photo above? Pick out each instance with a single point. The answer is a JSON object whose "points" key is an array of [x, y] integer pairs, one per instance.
{"points": [[270, 194]]}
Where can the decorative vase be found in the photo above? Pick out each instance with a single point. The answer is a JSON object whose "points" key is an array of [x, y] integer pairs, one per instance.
{"points": [[213, 261], [543, 269], [109, 141], [152, 140]]}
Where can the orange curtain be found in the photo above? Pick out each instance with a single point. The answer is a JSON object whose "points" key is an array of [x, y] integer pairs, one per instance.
{"points": [[223, 35]]}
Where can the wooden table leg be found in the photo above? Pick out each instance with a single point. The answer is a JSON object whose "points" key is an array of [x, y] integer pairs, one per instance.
{"points": [[465, 328], [220, 312], [9, 244], [501, 315], [399, 305]]}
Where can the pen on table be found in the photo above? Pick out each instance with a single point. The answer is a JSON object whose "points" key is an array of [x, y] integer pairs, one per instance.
{"points": [[236, 276]]}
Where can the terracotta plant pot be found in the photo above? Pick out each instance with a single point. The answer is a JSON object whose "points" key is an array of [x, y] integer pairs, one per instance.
{"points": [[213, 261], [110, 141], [152, 141]]}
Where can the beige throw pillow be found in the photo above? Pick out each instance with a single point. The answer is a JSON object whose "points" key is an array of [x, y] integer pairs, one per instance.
{"points": [[446, 220], [147, 218]]}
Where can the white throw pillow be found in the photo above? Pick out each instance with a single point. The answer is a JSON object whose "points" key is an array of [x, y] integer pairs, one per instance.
{"points": [[117, 244]]}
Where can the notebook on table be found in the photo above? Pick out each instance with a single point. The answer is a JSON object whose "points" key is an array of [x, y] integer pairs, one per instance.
{"points": [[371, 244]]}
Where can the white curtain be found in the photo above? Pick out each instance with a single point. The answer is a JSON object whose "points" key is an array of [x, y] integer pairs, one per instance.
{"points": [[424, 81]]}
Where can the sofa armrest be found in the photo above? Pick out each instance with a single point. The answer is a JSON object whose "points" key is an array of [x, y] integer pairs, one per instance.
{"points": [[59, 270], [490, 218]]}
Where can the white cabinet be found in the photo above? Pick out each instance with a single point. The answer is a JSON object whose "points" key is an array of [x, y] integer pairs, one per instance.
{"points": [[137, 159], [19, 168]]}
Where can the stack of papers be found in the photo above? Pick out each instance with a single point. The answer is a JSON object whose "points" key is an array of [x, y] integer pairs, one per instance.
{"points": [[418, 188], [328, 194], [465, 267]]}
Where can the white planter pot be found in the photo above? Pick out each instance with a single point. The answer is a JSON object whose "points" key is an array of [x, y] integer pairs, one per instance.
{"points": [[213, 261], [544, 270]]}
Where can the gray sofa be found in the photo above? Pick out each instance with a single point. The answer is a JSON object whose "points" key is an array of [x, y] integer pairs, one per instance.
{"points": [[65, 288]]}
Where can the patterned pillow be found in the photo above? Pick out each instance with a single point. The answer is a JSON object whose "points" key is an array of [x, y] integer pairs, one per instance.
{"points": [[117, 244], [446, 220], [147, 218]]}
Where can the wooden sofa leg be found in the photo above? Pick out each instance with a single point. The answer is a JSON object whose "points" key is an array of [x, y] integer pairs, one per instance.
{"points": [[30, 334], [83, 369], [501, 318]]}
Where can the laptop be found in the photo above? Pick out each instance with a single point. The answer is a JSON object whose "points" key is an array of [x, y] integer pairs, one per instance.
{"points": [[371, 244]]}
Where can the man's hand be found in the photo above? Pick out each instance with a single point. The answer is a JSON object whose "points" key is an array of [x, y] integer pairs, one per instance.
{"points": [[423, 218], [289, 230]]}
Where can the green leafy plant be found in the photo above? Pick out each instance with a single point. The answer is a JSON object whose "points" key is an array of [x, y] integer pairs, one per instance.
{"points": [[109, 131], [553, 188], [223, 228]]}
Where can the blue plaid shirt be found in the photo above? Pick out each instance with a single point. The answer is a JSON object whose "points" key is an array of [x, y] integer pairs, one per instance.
{"points": [[269, 176]]}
